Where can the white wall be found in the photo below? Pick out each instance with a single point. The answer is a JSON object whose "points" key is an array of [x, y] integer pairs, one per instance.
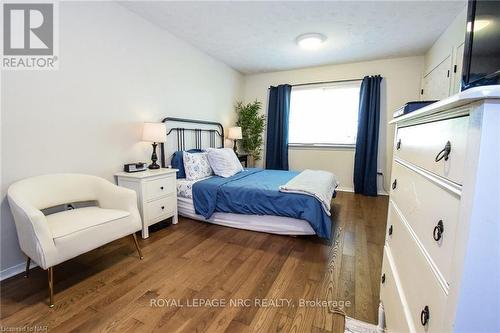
{"points": [[400, 84], [116, 71]]}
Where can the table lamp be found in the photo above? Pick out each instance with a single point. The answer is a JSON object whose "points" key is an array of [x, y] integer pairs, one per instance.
{"points": [[155, 133], [234, 134]]}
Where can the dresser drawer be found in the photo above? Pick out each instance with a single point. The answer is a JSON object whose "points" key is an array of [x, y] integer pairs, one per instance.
{"points": [[431, 211], [157, 188], [421, 287], [421, 144], [392, 297], [159, 209]]}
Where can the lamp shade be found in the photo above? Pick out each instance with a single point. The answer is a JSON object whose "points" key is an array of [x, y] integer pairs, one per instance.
{"points": [[154, 132], [234, 133]]}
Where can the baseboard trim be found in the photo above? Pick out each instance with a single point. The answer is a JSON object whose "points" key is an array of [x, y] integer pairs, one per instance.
{"points": [[14, 270], [349, 189], [345, 189]]}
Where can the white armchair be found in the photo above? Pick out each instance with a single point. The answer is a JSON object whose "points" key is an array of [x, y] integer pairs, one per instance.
{"points": [[51, 239]]}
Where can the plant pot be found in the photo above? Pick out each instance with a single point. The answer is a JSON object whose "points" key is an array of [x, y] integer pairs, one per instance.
{"points": [[251, 161]]}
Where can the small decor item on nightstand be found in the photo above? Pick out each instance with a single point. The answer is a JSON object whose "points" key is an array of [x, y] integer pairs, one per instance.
{"points": [[235, 134], [135, 167], [155, 133]]}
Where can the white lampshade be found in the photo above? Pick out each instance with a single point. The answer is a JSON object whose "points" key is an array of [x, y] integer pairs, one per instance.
{"points": [[154, 132], [235, 133]]}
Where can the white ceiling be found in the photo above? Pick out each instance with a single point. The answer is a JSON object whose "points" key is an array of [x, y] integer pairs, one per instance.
{"points": [[254, 37]]}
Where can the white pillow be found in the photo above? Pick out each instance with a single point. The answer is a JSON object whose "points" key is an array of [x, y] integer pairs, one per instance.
{"points": [[224, 162], [196, 165]]}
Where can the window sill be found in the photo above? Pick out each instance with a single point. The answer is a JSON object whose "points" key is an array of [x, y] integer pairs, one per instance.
{"points": [[323, 146]]}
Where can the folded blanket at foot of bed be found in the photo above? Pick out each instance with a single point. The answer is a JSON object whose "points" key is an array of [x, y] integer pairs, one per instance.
{"points": [[256, 192], [316, 183]]}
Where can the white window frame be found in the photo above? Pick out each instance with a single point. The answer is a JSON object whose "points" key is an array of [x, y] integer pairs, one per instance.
{"points": [[324, 145]]}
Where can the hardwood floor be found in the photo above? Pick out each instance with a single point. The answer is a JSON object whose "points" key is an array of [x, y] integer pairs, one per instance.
{"points": [[110, 289]]}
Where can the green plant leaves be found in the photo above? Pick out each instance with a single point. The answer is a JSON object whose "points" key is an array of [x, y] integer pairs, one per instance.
{"points": [[252, 123]]}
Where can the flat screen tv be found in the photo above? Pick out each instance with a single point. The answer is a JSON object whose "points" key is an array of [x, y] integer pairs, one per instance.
{"points": [[481, 65]]}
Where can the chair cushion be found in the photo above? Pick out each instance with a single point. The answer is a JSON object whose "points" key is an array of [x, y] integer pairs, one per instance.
{"points": [[77, 220]]}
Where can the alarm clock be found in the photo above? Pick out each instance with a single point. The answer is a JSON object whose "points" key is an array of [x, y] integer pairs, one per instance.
{"points": [[135, 167]]}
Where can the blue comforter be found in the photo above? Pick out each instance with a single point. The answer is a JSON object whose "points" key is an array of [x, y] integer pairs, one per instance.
{"points": [[256, 192]]}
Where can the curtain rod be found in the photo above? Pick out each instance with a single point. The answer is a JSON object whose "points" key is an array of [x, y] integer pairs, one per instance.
{"points": [[324, 82]]}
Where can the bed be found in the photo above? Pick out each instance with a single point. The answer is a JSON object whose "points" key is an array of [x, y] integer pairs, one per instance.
{"points": [[248, 200]]}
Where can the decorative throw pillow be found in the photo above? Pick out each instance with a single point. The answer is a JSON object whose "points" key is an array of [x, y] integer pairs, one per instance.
{"points": [[196, 166], [177, 161], [224, 162]]}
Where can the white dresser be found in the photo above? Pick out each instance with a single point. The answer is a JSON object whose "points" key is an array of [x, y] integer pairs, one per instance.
{"points": [[156, 194], [441, 263]]}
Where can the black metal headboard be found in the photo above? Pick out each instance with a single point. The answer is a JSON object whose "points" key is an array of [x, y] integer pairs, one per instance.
{"points": [[206, 134]]}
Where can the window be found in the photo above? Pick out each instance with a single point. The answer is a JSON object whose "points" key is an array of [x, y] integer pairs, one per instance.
{"points": [[324, 114]]}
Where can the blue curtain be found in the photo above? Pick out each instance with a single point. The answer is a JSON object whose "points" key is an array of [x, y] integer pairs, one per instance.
{"points": [[277, 127], [365, 159]]}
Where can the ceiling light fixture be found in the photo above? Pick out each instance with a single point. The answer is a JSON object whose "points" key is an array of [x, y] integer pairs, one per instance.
{"points": [[478, 25], [310, 41]]}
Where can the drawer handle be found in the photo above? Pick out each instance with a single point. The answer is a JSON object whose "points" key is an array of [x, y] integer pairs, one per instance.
{"points": [[161, 188], [162, 207], [445, 153], [425, 316], [383, 278], [394, 184], [438, 231], [390, 230], [398, 145]]}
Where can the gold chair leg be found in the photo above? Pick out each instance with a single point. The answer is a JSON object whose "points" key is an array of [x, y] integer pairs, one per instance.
{"points": [[28, 262], [50, 272], [137, 246]]}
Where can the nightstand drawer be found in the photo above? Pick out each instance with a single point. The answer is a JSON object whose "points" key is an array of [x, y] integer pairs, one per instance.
{"points": [[158, 188], [155, 189], [160, 209]]}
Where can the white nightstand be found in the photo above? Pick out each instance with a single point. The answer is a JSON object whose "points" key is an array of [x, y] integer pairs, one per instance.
{"points": [[156, 194]]}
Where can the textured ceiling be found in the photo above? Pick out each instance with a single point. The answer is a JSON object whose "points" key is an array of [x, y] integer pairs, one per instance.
{"points": [[254, 37]]}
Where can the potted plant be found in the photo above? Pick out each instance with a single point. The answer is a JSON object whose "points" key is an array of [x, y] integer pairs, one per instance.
{"points": [[252, 123]]}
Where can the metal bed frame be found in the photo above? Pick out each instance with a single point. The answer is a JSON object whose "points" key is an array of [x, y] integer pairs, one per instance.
{"points": [[212, 134]]}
